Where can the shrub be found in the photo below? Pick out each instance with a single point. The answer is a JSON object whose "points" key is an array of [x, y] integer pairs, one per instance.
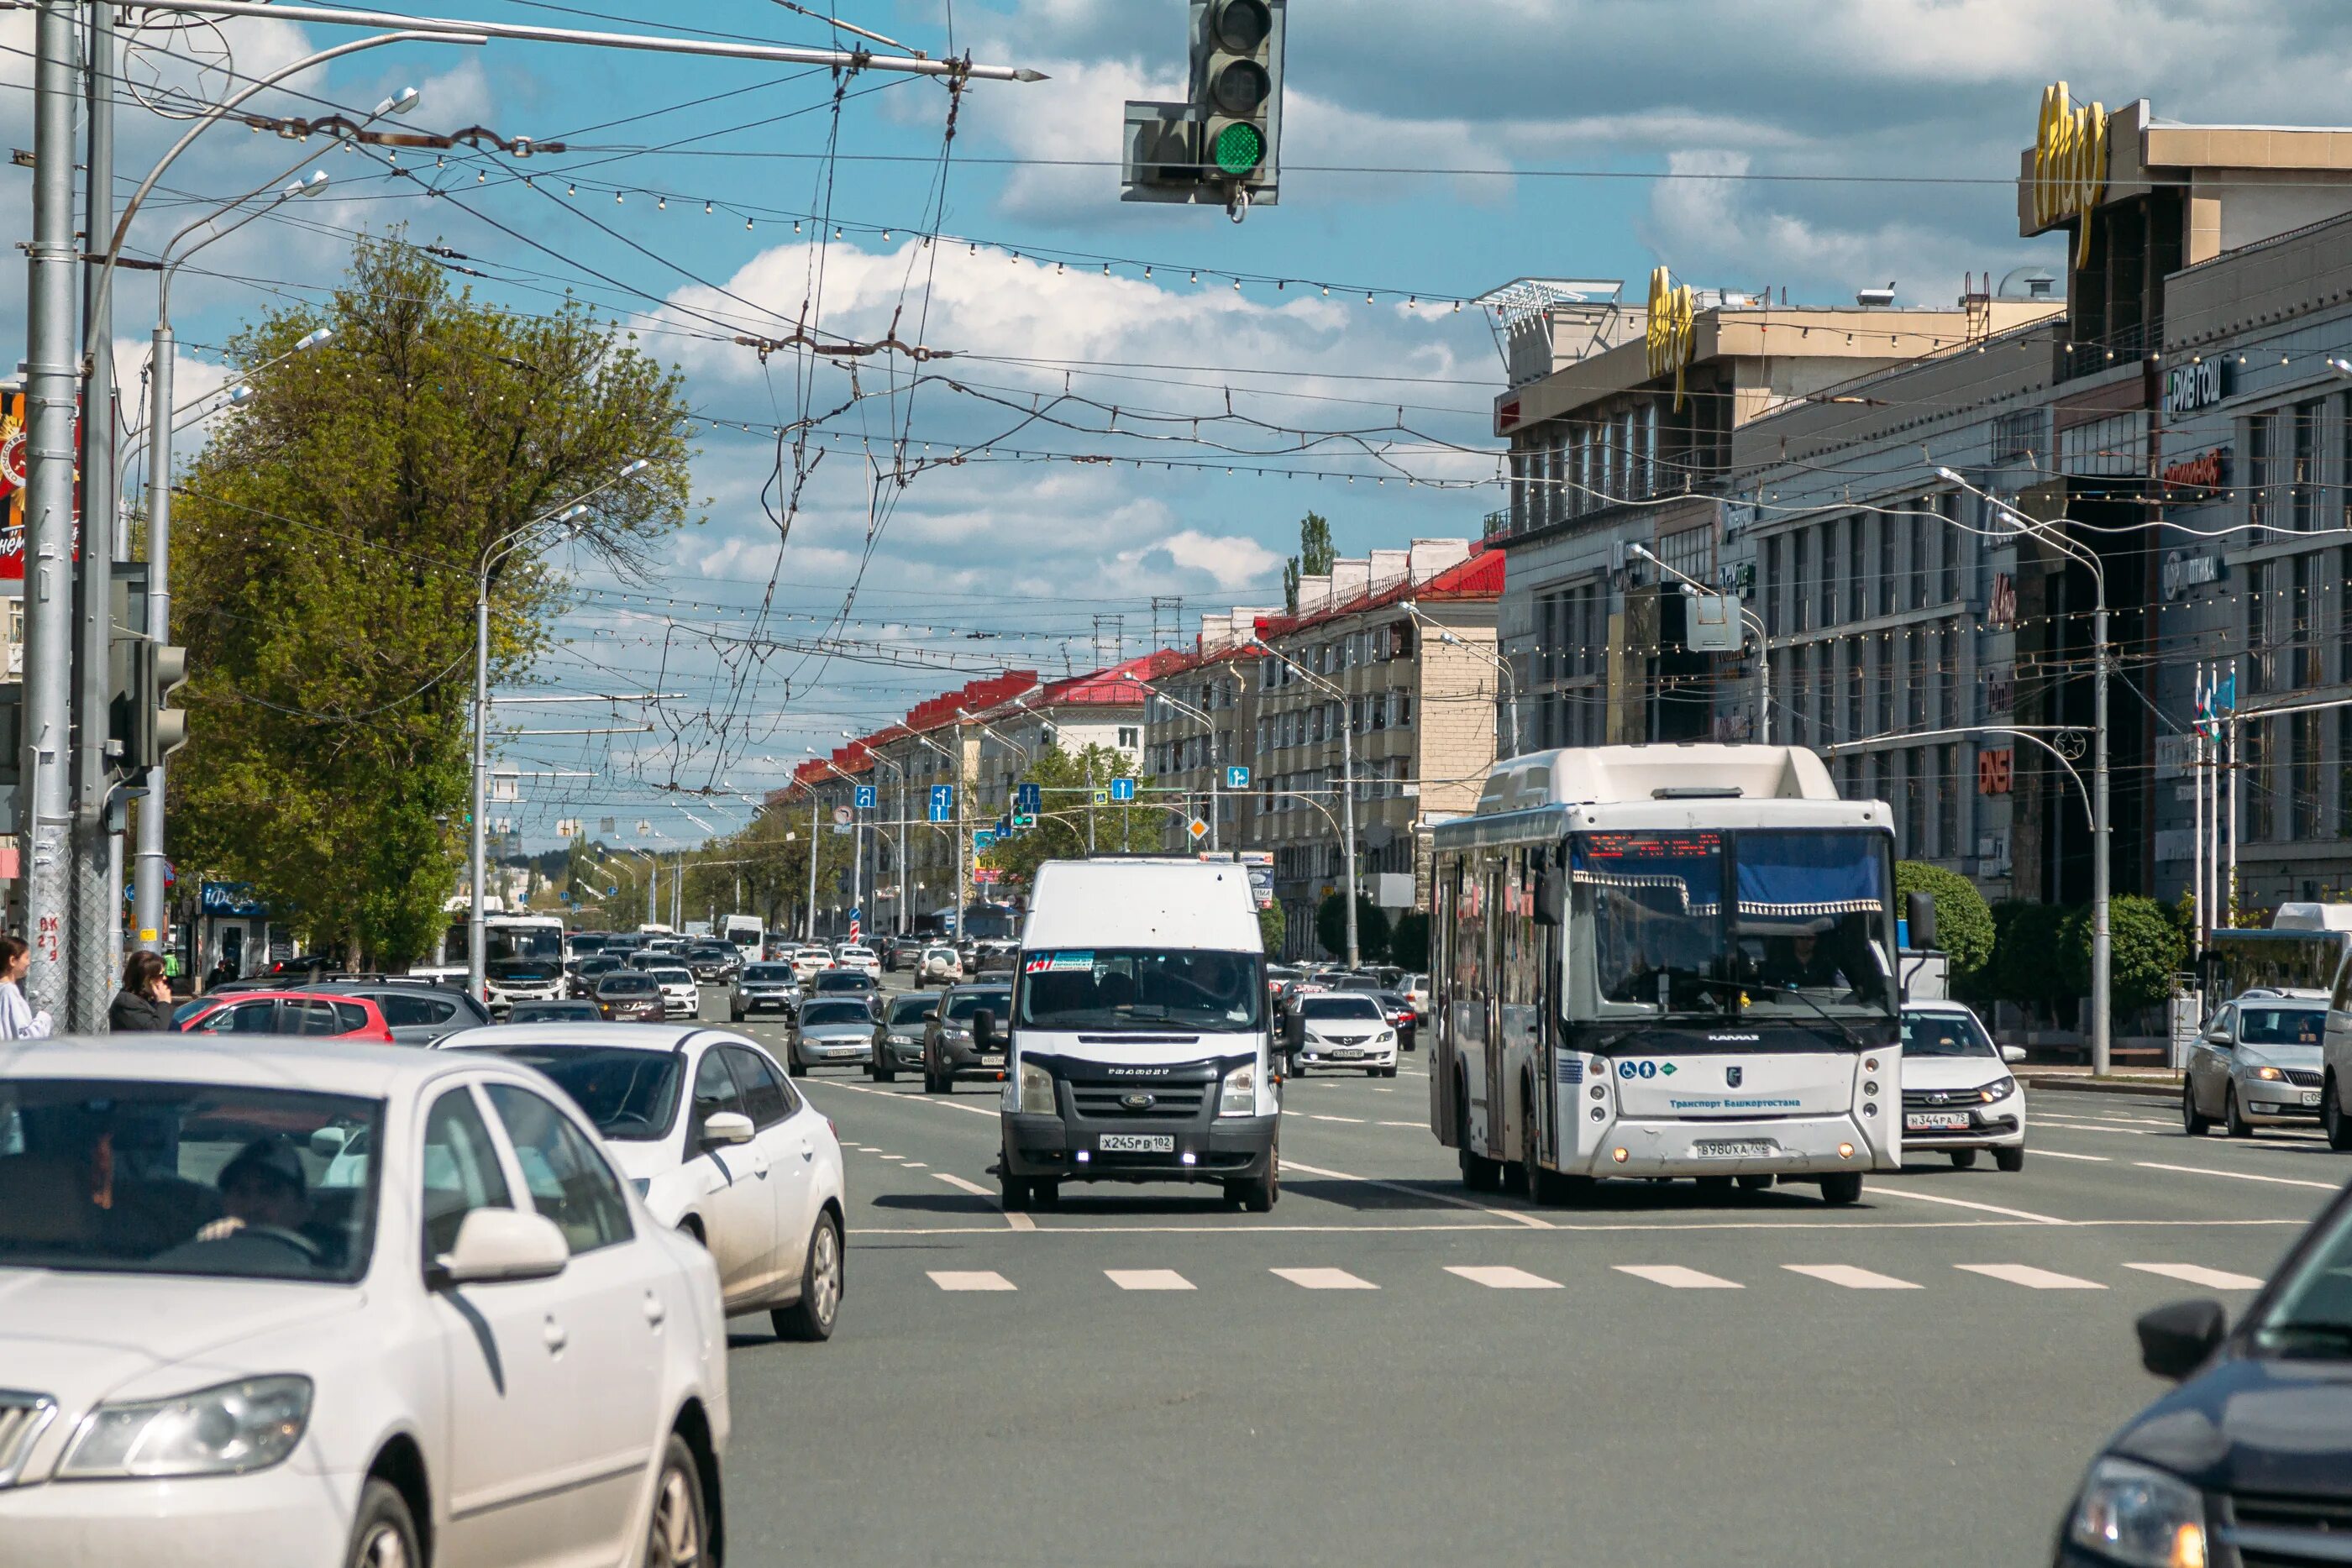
{"points": [[1964, 927]]}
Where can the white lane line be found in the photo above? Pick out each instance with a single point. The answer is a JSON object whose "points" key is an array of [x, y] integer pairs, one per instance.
{"points": [[2042, 1153], [1513, 1215], [1847, 1275], [963, 1184], [917, 1166], [1147, 1280], [894, 1156], [2238, 1176], [970, 1279], [1676, 1228], [1965, 1203], [1325, 1279], [944, 1103], [2197, 1274], [2053, 1123], [1675, 1277], [1019, 1222], [1502, 1278], [2029, 1277], [1351, 1120], [1418, 1126]]}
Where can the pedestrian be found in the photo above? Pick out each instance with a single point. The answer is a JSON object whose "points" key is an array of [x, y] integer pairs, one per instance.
{"points": [[17, 1019], [143, 1005], [222, 972]]}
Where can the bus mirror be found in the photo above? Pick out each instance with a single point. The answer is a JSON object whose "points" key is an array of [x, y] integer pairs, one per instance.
{"points": [[1549, 896], [1919, 910]]}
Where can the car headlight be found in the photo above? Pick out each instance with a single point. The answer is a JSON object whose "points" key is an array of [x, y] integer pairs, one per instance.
{"points": [[2269, 1073], [902, 1040], [2141, 1517], [1036, 1090], [1239, 1097], [1384, 1036], [2000, 1088], [222, 1431]]}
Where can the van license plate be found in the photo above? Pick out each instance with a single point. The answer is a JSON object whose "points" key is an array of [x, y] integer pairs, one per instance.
{"points": [[1136, 1143], [1936, 1122], [1733, 1149]]}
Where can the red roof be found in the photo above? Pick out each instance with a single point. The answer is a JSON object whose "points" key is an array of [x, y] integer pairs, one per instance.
{"points": [[1110, 688], [1480, 577]]}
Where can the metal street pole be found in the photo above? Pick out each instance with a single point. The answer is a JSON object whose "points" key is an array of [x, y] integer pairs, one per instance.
{"points": [[1209, 740], [815, 806], [1749, 619], [148, 909], [476, 931], [97, 899], [1347, 782]]}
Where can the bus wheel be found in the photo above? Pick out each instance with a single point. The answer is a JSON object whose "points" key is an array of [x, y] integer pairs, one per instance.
{"points": [[1479, 1174], [1841, 1189], [1755, 1183]]}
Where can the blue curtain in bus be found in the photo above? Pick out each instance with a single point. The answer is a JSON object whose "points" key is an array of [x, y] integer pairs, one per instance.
{"points": [[1798, 874], [1669, 883]]}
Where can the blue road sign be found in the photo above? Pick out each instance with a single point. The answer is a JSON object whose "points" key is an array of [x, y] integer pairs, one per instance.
{"points": [[942, 803], [1003, 827], [865, 797], [984, 839], [1029, 799], [1122, 789], [1237, 778]]}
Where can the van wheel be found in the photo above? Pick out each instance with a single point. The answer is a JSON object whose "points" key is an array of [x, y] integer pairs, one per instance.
{"points": [[1012, 1193], [2192, 1120], [384, 1536], [1841, 1189], [1044, 1193], [2332, 1117]]}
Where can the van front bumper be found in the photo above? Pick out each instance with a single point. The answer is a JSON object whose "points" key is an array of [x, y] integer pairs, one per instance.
{"points": [[1227, 1148]]}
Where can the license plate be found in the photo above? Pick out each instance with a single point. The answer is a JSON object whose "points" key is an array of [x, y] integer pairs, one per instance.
{"points": [[2311, 1097], [1136, 1143], [1344, 1053], [1936, 1122], [1733, 1148]]}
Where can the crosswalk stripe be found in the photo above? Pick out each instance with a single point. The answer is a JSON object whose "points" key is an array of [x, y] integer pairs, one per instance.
{"points": [[1847, 1275], [2033, 1279], [1497, 1278], [970, 1279], [1147, 1280], [1325, 1279], [2197, 1274], [962, 1184], [1674, 1276]]}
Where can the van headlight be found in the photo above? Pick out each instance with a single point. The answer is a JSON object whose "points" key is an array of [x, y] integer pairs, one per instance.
{"points": [[1036, 1090], [227, 1430], [1239, 1097], [2131, 1514]]}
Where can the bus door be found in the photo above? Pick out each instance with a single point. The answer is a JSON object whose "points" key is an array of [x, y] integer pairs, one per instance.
{"points": [[1469, 1002], [1513, 1090]]}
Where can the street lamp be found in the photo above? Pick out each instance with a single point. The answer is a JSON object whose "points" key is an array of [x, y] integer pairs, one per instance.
{"points": [[1346, 775], [2102, 939], [1748, 619], [897, 841], [1510, 683], [1209, 737], [955, 771], [856, 869]]}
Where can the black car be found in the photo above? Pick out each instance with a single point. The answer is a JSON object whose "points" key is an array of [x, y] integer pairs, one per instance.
{"points": [[712, 962], [899, 1034], [949, 1051], [588, 971], [2250, 1459], [1400, 1016]]}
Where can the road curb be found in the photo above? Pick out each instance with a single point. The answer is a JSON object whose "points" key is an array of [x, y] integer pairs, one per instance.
{"points": [[2139, 1088]]}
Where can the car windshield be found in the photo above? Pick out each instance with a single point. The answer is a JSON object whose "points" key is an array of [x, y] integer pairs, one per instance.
{"points": [[1928, 1033], [182, 1179], [768, 974], [1338, 1006], [831, 981], [836, 1012], [630, 1094], [551, 1012], [912, 1009], [963, 1004], [2263, 1025], [626, 985], [671, 976], [1141, 990], [2311, 1314]]}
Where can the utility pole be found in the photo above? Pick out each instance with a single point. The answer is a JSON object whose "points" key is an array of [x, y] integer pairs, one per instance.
{"points": [[814, 805], [97, 900], [50, 384]]}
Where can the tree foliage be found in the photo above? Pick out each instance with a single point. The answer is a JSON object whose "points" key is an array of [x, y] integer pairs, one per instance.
{"points": [[1272, 928], [1409, 942], [1067, 780], [2147, 949], [325, 557], [2027, 967], [1371, 928], [1315, 554], [1963, 922]]}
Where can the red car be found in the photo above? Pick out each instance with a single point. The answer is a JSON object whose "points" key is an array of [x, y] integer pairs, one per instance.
{"points": [[325, 1016]]}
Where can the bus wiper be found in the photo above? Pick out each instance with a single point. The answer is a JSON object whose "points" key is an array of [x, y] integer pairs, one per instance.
{"points": [[1844, 1028]]}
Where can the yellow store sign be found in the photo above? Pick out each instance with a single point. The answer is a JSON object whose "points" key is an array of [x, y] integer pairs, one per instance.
{"points": [[2070, 163], [1672, 337]]}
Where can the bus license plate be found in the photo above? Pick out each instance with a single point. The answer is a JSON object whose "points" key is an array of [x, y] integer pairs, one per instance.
{"points": [[1136, 1143], [1735, 1149], [1936, 1122]]}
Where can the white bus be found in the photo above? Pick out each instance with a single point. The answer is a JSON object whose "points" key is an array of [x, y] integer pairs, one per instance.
{"points": [[538, 938], [1671, 960]]}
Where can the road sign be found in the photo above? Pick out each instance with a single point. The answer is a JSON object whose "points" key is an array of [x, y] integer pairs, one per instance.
{"points": [[1122, 790], [865, 797], [942, 803], [1102, 797], [984, 839], [842, 816], [1029, 799], [1237, 778], [1005, 827], [1198, 829]]}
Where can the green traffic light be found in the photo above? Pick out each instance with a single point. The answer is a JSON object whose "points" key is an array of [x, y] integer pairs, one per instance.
{"points": [[1240, 148]]}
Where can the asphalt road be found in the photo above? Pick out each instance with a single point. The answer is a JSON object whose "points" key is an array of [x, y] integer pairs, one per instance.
{"points": [[1388, 1369]]}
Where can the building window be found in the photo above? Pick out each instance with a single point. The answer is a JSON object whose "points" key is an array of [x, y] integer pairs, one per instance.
{"points": [[1914, 807], [1886, 584], [1948, 589], [2307, 798], [1915, 681], [1919, 560], [1947, 676], [1769, 588], [1829, 584], [2303, 477], [2343, 773], [2257, 469], [2254, 762], [1857, 604], [1884, 658], [1127, 736], [1855, 693], [1947, 802], [1801, 587]]}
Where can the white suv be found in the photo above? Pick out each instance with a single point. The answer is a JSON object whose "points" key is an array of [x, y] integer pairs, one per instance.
{"points": [[937, 967], [1957, 1095], [864, 959], [681, 992]]}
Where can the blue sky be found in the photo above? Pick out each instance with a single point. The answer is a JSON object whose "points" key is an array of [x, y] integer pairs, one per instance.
{"points": [[1813, 147]]}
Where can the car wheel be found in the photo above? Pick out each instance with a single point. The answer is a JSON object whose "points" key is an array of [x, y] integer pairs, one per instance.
{"points": [[384, 1536], [735, 1015], [2012, 1159], [2234, 1116], [1372, 1073], [2332, 1118], [1388, 1073], [792, 1065], [884, 1073], [2192, 1120], [1044, 1193], [679, 1534], [1841, 1189], [811, 1318], [1963, 1159]]}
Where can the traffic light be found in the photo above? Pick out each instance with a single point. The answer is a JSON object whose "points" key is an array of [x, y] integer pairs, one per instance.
{"points": [[1221, 145], [157, 670]]}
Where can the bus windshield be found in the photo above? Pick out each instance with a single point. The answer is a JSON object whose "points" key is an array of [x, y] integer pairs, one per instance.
{"points": [[501, 940], [1136, 991], [1762, 922]]}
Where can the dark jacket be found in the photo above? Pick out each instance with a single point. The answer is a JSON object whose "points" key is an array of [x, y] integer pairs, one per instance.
{"points": [[133, 1014]]}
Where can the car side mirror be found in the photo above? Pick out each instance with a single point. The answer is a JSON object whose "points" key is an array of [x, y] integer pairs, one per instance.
{"points": [[724, 1127], [2013, 1054], [984, 1029], [2177, 1339], [1551, 896], [1294, 1030], [1920, 912], [496, 1246]]}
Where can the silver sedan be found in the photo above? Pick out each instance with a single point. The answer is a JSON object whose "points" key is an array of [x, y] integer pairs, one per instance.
{"points": [[831, 1031]]}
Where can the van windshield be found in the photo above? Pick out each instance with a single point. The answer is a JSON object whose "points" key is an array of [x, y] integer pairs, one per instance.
{"points": [[1141, 991]]}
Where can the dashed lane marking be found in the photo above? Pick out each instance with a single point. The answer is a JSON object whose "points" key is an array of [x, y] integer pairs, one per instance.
{"points": [[1968, 1203], [946, 1102], [2043, 1153], [1147, 1280], [1325, 1279], [1351, 1120], [1847, 1275], [1675, 1277], [970, 1279], [1502, 1278], [965, 1184], [2197, 1274], [1515, 1215], [2029, 1277], [917, 1166], [1421, 1125], [2238, 1175]]}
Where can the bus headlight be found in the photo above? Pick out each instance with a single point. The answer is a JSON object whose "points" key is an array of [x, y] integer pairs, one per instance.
{"points": [[1239, 1096], [1036, 1090]]}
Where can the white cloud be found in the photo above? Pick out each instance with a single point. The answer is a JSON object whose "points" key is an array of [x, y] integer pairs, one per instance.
{"points": [[1236, 563]]}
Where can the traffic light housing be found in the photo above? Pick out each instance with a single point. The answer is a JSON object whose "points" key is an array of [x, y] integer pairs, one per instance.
{"points": [[1222, 144], [157, 730]]}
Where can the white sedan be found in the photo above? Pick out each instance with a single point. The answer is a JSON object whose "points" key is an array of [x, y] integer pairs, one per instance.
{"points": [[721, 1148], [1342, 1029], [862, 960], [809, 961], [311, 1302], [681, 992]]}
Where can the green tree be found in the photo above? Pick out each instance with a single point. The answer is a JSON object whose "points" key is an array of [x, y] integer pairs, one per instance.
{"points": [[1066, 780], [1963, 922], [1409, 942], [1315, 554], [329, 539], [1272, 926], [1371, 928], [2027, 966], [2146, 950]]}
